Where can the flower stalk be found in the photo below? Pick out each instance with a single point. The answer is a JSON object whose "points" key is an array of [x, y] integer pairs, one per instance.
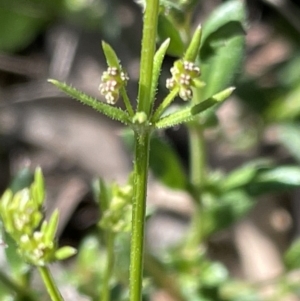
{"points": [[50, 284]]}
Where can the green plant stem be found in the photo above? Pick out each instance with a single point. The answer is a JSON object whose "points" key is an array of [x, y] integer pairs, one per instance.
{"points": [[13, 287], [197, 156], [50, 284], [141, 161], [197, 180], [165, 103], [127, 102], [110, 241], [147, 56]]}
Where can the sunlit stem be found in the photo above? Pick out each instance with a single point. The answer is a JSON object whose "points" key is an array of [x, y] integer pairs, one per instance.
{"points": [[165, 103]]}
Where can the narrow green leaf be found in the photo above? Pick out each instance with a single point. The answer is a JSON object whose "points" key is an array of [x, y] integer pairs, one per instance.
{"points": [[208, 103], [204, 105], [51, 226], [244, 175], [110, 55], [194, 46], [284, 175], [158, 60], [186, 114], [274, 179], [222, 49], [179, 117], [110, 111]]}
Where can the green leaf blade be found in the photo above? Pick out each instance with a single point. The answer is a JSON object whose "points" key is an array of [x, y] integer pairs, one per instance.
{"points": [[194, 47], [110, 111], [166, 29], [230, 11], [177, 118], [110, 55], [208, 103], [222, 49], [158, 60]]}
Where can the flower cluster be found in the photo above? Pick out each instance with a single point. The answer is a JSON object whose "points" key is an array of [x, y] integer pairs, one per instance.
{"points": [[117, 217], [21, 214], [184, 74], [112, 81]]}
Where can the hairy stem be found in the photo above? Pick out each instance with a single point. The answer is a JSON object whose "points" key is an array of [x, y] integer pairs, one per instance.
{"points": [[147, 56], [142, 145]]}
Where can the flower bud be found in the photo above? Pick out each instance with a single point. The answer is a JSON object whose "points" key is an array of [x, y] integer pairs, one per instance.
{"points": [[184, 76], [112, 81]]}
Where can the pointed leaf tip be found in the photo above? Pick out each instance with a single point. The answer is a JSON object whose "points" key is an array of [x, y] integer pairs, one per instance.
{"points": [[194, 46], [111, 56], [223, 94], [215, 99]]}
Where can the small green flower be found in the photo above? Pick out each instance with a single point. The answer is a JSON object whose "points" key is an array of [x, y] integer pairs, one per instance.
{"points": [[112, 81], [21, 214], [184, 75], [117, 217]]}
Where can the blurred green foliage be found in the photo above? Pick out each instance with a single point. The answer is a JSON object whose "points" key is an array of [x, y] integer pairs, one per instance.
{"points": [[226, 197], [22, 21]]}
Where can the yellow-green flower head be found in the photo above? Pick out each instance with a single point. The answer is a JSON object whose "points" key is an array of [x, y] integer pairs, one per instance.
{"points": [[36, 249], [21, 214], [184, 74], [112, 81], [117, 217]]}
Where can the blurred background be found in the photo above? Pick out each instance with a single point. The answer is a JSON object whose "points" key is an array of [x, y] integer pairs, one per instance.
{"points": [[61, 39]]}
